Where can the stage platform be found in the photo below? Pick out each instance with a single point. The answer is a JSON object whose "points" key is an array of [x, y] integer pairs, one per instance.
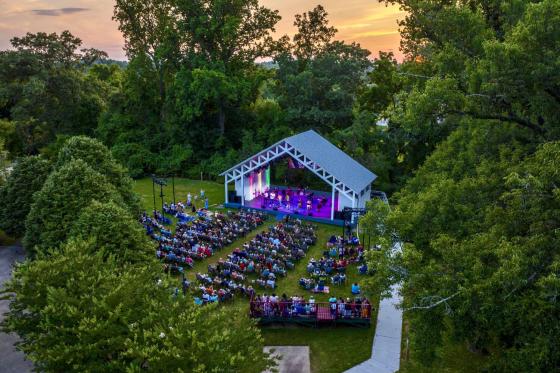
{"points": [[315, 219], [311, 205]]}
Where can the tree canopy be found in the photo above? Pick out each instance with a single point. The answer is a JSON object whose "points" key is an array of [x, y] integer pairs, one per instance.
{"points": [[113, 230], [77, 311], [99, 158], [57, 205], [16, 195], [477, 219], [462, 133]]}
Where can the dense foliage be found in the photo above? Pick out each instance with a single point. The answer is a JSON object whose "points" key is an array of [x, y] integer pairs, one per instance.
{"points": [[57, 205], [98, 157], [81, 312], [92, 297], [192, 99], [46, 91], [16, 195], [463, 135], [480, 260], [113, 229]]}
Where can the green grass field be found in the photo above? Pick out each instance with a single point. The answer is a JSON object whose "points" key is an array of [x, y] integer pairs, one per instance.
{"points": [[214, 192], [332, 349]]}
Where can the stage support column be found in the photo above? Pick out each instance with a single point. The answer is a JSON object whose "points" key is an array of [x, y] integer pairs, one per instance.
{"points": [[332, 203], [226, 189], [353, 205], [243, 189]]}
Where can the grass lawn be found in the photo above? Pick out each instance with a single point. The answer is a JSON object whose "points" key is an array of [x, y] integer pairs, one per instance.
{"points": [[332, 349], [214, 191]]}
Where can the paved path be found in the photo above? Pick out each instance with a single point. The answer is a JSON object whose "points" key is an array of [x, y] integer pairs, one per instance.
{"points": [[386, 350], [294, 359], [11, 361]]}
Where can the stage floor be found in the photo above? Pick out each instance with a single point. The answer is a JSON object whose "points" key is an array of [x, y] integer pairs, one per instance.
{"points": [[320, 207]]}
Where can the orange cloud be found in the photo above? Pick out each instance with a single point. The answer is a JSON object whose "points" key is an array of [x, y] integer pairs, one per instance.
{"points": [[367, 22]]}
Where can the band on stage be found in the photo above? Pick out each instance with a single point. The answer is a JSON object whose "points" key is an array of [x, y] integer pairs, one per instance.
{"points": [[297, 200]]}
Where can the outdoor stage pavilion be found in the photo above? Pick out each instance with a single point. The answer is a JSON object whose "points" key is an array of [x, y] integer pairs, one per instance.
{"points": [[350, 182]]}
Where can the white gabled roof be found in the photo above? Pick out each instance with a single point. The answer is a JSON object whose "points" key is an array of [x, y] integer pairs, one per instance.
{"points": [[330, 158]]}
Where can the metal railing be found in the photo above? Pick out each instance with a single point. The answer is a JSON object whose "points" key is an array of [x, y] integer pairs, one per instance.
{"points": [[320, 311]]}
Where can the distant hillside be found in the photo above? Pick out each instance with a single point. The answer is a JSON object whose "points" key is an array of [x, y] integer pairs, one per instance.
{"points": [[122, 64], [268, 65]]}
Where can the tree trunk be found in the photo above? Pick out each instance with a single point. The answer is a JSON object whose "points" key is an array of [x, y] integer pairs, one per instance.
{"points": [[222, 119], [161, 95]]}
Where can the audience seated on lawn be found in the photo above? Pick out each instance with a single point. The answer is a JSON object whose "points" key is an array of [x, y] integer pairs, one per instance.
{"points": [[268, 306], [343, 248], [199, 237], [268, 256]]}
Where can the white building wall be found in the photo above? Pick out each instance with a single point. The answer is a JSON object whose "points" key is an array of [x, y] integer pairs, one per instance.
{"points": [[246, 186], [343, 201]]}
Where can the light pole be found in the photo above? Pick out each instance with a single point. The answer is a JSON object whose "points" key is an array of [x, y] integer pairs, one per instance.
{"points": [[161, 183], [154, 191], [173, 181]]}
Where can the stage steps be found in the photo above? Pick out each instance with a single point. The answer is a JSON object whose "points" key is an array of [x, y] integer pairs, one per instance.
{"points": [[324, 314]]}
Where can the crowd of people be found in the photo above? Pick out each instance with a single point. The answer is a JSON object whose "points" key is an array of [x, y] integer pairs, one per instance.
{"points": [[267, 306], [347, 249], [267, 256], [258, 263], [339, 253], [295, 200], [199, 237]]}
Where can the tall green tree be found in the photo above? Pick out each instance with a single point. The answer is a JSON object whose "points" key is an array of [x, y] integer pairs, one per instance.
{"points": [[131, 126], [45, 92], [478, 216], [100, 159], [314, 35], [226, 36], [150, 32], [66, 192], [114, 231], [76, 311], [318, 78], [16, 195]]}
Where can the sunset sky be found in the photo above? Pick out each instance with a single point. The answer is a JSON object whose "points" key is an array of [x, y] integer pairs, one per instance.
{"points": [[371, 24]]}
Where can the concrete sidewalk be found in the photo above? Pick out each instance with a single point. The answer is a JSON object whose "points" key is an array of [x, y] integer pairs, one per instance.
{"points": [[386, 350], [12, 361], [293, 359]]}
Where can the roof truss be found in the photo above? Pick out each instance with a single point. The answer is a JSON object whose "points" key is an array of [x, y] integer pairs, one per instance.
{"points": [[278, 150]]}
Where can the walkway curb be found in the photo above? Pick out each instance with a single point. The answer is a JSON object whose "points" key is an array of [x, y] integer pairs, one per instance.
{"points": [[386, 349]]}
